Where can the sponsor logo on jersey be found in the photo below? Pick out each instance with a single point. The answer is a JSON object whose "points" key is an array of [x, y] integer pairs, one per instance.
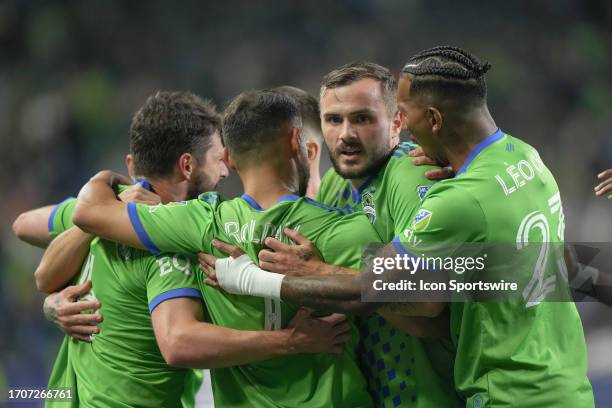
{"points": [[367, 202], [422, 190], [421, 220]]}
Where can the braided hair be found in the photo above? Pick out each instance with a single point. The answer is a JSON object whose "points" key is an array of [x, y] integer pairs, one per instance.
{"points": [[450, 73]]}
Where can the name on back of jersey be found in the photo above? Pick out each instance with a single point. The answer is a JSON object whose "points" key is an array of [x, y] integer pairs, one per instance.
{"points": [[518, 174], [255, 234]]}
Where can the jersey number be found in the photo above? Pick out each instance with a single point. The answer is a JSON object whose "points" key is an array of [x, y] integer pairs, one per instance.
{"points": [[538, 287]]}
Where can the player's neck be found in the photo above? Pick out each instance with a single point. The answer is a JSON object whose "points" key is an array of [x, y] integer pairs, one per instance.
{"points": [[314, 183], [467, 135], [267, 185], [168, 190]]}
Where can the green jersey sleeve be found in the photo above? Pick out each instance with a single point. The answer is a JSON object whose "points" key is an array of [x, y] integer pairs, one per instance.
{"points": [[171, 276], [183, 227], [60, 218], [408, 187], [345, 241]]}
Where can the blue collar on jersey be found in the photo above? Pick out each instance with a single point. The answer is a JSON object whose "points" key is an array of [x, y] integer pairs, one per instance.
{"points": [[255, 204], [484, 143], [144, 183]]}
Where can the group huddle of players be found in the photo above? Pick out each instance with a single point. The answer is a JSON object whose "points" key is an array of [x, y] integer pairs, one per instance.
{"points": [[141, 283]]}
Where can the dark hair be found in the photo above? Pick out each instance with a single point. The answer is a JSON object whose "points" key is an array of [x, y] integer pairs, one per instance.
{"points": [[168, 125], [449, 73], [355, 71], [253, 119], [309, 109]]}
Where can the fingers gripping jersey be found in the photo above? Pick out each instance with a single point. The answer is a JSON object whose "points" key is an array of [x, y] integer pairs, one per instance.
{"points": [[312, 380], [401, 370], [531, 354]]}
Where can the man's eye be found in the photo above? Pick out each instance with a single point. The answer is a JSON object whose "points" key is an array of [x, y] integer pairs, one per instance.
{"points": [[334, 120], [362, 119]]}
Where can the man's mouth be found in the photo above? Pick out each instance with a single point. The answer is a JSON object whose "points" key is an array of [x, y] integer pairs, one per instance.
{"points": [[350, 152]]}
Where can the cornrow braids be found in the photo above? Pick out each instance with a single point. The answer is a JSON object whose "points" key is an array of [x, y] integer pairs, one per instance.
{"points": [[450, 71], [446, 61]]}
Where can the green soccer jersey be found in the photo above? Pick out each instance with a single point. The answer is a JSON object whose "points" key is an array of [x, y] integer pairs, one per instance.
{"points": [[123, 366], [62, 374], [527, 353], [337, 192], [304, 380], [401, 370]]}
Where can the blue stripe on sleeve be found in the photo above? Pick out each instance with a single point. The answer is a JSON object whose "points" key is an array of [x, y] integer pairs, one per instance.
{"points": [[399, 247], [50, 226], [139, 228], [173, 294]]}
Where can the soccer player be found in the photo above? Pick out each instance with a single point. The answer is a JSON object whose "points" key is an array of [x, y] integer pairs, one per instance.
{"points": [[262, 132], [311, 130], [527, 353], [372, 171], [151, 305]]}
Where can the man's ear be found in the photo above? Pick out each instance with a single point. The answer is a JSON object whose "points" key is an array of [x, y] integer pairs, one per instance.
{"points": [[229, 160], [435, 119], [396, 122], [186, 165], [313, 149], [129, 163], [396, 127]]}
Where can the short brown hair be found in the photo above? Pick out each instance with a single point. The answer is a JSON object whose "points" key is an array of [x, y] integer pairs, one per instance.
{"points": [[253, 119], [355, 71], [168, 125], [309, 110]]}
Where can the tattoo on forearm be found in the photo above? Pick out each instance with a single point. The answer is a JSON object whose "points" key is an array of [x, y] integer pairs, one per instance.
{"points": [[330, 292]]}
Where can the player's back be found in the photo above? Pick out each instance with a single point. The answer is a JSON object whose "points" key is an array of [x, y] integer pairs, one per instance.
{"points": [[314, 380], [536, 346], [122, 366]]}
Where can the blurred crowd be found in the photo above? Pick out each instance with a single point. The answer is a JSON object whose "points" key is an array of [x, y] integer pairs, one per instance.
{"points": [[72, 73]]}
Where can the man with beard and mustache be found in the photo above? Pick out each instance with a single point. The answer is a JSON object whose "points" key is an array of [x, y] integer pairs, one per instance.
{"points": [[374, 173], [152, 304], [525, 351], [262, 134]]}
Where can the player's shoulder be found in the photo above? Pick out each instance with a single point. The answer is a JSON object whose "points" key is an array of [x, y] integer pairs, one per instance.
{"points": [[458, 192], [401, 167], [316, 208]]}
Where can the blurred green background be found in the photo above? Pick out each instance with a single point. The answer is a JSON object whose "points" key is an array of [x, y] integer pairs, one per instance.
{"points": [[73, 72]]}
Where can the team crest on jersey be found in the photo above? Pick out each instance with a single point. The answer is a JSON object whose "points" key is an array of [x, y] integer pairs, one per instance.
{"points": [[421, 220], [422, 191], [124, 252], [367, 202]]}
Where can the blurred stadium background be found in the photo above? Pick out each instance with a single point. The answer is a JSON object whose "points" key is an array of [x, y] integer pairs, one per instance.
{"points": [[72, 73]]}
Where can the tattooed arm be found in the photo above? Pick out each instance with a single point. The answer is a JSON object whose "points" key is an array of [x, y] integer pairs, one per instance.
{"points": [[332, 288]]}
